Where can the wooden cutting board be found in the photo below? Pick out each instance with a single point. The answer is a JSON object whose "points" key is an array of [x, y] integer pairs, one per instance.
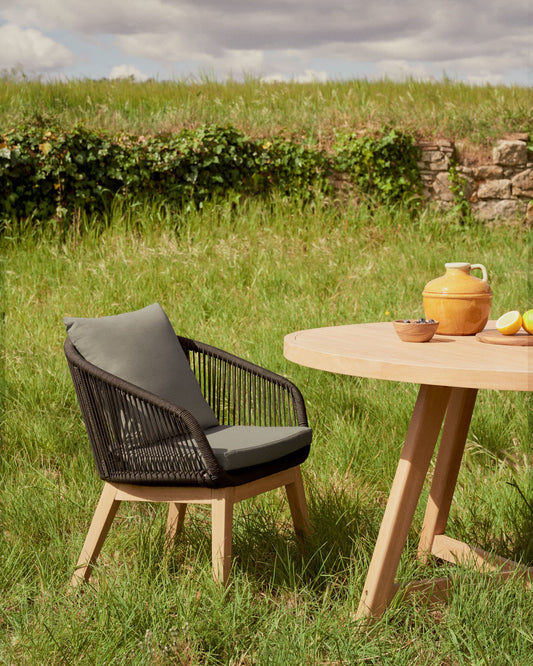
{"points": [[494, 337]]}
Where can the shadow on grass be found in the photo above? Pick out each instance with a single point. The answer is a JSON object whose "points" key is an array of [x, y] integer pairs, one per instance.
{"points": [[265, 547], [343, 533]]}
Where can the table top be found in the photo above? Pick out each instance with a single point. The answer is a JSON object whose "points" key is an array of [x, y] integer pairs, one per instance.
{"points": [[374, 350]]}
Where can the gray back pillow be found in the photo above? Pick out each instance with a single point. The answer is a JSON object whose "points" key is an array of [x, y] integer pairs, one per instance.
{"points": [[141, 347]]}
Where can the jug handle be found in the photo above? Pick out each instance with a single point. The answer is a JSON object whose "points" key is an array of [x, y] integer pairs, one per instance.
{"points": [[483, 270]]}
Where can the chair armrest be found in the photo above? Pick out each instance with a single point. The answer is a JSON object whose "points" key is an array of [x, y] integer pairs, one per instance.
{"points": [[137, 437], [242, 393]]}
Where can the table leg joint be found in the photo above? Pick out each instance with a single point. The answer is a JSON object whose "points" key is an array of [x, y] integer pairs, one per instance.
{"points": [[457, 552]]}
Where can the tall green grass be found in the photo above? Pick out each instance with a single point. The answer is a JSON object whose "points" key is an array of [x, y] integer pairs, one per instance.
{"points": [[241, 279], [314, 111]]}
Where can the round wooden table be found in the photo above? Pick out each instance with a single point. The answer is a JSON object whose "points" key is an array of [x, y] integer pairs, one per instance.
{"points": [[450, 370]]}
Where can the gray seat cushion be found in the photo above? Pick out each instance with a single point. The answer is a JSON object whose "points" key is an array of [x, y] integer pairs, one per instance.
{"points": [[141, 347], [236, 447]]}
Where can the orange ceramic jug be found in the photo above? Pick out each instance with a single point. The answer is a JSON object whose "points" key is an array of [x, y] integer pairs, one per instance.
{"points": [[459, 301]]}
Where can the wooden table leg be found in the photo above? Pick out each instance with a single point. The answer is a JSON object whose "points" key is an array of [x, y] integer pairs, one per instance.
{"points": [[452, 444], [433, 540], [410, 474]]}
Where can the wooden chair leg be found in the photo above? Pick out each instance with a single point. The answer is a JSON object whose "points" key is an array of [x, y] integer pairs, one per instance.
{"points": [[222, 532], [298, 506], [175, 518], [101, 522]]}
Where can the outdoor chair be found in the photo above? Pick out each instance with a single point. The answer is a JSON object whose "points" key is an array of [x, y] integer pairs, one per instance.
{"points": [[173, 420]]}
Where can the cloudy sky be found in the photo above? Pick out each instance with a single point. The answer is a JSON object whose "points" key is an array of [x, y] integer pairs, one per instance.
{"points": [[476, 41]]}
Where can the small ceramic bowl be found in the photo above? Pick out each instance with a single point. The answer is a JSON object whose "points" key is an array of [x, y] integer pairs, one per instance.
{"points": [[413, 331]]}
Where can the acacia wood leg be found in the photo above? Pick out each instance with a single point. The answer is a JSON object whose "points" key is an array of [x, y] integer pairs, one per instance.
{"points": [[452, 444], [416, 454], [222, 532], [298, 506], [100, 524], [175, 518]]}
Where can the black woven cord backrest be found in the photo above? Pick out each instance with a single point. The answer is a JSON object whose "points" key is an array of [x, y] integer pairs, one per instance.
{"points": [[241, 393], [135, 437]]}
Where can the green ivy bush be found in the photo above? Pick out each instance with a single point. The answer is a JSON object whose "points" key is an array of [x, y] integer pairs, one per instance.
{"points": [[48, 173], [384, 167]]}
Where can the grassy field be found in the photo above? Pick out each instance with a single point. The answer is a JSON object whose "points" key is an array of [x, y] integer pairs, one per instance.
{"points": [[241, 279], [313, 112]]}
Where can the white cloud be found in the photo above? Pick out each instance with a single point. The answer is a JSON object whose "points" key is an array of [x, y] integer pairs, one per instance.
{"points": [[309, 76], [175, 47], [126, 72], [483, 79], [30, 49], [171, 47], [401, 70], [287, 38], [235, 62]]}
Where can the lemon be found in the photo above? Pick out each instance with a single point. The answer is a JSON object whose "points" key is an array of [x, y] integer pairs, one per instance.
{"points": [[509, 323], [527, 321]]}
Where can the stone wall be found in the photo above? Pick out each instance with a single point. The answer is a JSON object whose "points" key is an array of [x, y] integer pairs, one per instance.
{"points": [[502, 189]]}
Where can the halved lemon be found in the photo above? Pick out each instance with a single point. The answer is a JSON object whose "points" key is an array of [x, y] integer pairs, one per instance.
{"points": [[527, 321], [509, 323]]}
